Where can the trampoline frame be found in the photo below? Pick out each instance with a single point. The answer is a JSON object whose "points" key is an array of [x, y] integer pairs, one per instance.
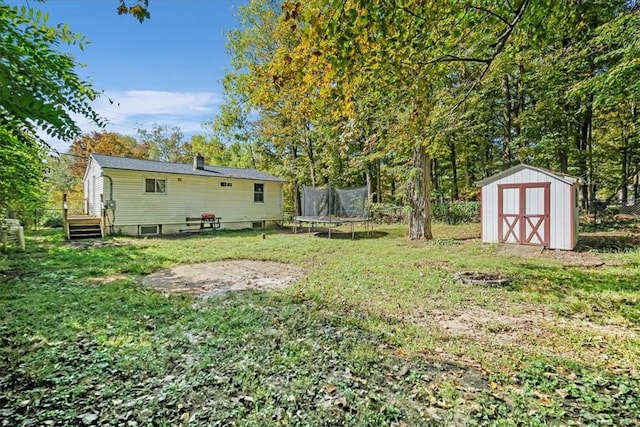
{"points": [[298, 221]]}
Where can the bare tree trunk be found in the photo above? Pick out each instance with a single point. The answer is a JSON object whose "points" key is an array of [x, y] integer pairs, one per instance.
{"points": [[297, 199], [624, 154], [310, 153], [582, 144], [419, 190], [455, 194], [520, 96], [507, 115], [435, 181], [378, 182]]}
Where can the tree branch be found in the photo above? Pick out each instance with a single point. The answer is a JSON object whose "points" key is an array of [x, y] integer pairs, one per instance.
{"points": [[500, 45], [491, 13]]}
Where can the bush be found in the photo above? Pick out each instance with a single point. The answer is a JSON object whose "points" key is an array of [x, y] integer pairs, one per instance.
{"points": [[456, 212], [54, 221], [384, 213]]}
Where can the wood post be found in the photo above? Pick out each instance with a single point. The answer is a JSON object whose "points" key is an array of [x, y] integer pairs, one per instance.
{"points": [[65, 216]]}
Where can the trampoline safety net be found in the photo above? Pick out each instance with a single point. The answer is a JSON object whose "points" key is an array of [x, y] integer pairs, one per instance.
{"points": [[326, 202]]}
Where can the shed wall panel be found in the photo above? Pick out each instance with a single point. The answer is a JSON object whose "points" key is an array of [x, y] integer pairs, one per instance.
{"points": [[489, 213]]}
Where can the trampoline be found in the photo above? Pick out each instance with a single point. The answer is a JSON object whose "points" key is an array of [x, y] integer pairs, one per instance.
{"points": [[333, 206]]}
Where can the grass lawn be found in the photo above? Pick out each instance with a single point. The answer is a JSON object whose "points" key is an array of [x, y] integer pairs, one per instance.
{"points": [[375, 333]]}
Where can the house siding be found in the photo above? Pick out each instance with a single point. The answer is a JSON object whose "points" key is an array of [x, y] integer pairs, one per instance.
{"points": [[93, 189], [563, 216], [190, 196]]}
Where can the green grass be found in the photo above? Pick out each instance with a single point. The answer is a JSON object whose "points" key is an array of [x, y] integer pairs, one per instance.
{"points": [[375, 333]]}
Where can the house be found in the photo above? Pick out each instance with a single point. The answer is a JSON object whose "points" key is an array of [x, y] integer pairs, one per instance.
{"points": [[528, 205], [146, 197]]}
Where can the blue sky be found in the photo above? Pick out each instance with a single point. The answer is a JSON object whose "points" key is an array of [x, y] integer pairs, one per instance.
{"points": [[167, 70]]}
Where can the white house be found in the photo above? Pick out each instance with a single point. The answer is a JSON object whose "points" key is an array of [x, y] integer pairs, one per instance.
{"points": [[146, 197], [527, 205]]}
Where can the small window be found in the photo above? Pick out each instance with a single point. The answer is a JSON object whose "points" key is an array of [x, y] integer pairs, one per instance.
{"points": [[258, 193], [149, 230], [226, 184], [155, 185]]}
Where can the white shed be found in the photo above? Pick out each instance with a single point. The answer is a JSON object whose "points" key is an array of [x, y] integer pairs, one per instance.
{"points": [[528, 205]]}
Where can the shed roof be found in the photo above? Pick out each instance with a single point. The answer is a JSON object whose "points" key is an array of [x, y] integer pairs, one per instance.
{"points": [[126, 163], [517, 168]]}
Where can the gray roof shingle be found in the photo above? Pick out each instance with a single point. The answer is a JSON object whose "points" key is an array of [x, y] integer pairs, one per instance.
{"points": [[127, 163]]}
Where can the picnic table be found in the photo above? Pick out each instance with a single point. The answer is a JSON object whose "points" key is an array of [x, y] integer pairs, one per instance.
{"points": [[205, 221]]}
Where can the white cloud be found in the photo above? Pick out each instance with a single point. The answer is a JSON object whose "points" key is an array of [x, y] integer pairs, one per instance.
{"points": [[152, 102], [126, 111]]}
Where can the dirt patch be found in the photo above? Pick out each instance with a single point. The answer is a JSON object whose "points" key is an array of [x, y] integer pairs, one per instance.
{"points": [[217, 278], [574, 259], [567, 258], [106, 279], [538, 328]]}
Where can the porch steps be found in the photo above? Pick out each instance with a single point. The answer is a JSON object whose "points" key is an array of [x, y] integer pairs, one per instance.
{"points": [[84, 227], [84, 231]]}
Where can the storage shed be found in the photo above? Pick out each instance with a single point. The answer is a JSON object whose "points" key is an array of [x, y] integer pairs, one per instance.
{"points": [[528, 205]]}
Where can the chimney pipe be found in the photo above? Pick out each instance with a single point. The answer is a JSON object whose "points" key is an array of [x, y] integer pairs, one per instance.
{"points": [[198, 162]]}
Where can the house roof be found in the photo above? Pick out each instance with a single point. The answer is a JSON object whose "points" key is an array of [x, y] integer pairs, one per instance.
{"points": [[127, 163], [517, 168]]}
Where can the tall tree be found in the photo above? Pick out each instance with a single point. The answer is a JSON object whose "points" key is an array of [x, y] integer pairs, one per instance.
{"points": [[39, 90], [165, 143], [109, 143]]}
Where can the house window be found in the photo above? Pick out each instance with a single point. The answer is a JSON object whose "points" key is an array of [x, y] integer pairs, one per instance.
{"points": [[149, 230], [258, 193], [226, 184], [155, 185]]}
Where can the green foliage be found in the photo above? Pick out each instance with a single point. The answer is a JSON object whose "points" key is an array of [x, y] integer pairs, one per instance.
{"points": [[384, 213], [54, 221], [456, 212], [39, 90], [139, 10], [165, 143], [21, 171], [347, 91], [552, 392]]}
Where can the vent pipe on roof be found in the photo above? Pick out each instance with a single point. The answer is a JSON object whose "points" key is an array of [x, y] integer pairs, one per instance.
{"points": [[198, 162]]}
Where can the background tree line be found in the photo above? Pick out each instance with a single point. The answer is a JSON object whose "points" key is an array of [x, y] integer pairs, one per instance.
{"points": [[421, 99], [416, 99]]}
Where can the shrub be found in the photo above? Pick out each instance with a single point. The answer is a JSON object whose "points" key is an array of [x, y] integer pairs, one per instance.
{"points": [[456, 212], [384, 213], [54, 221]]}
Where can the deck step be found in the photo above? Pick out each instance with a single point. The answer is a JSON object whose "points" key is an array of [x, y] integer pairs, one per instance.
{"points": [[84, 231]]}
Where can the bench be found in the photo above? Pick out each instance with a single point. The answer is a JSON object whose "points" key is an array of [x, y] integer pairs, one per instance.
{"points": [[11, 231], [208, 223]]}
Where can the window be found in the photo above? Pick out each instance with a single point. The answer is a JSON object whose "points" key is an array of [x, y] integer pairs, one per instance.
{"points": [[226, 184], [149, 230], [155, 185], [258, 193]]}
